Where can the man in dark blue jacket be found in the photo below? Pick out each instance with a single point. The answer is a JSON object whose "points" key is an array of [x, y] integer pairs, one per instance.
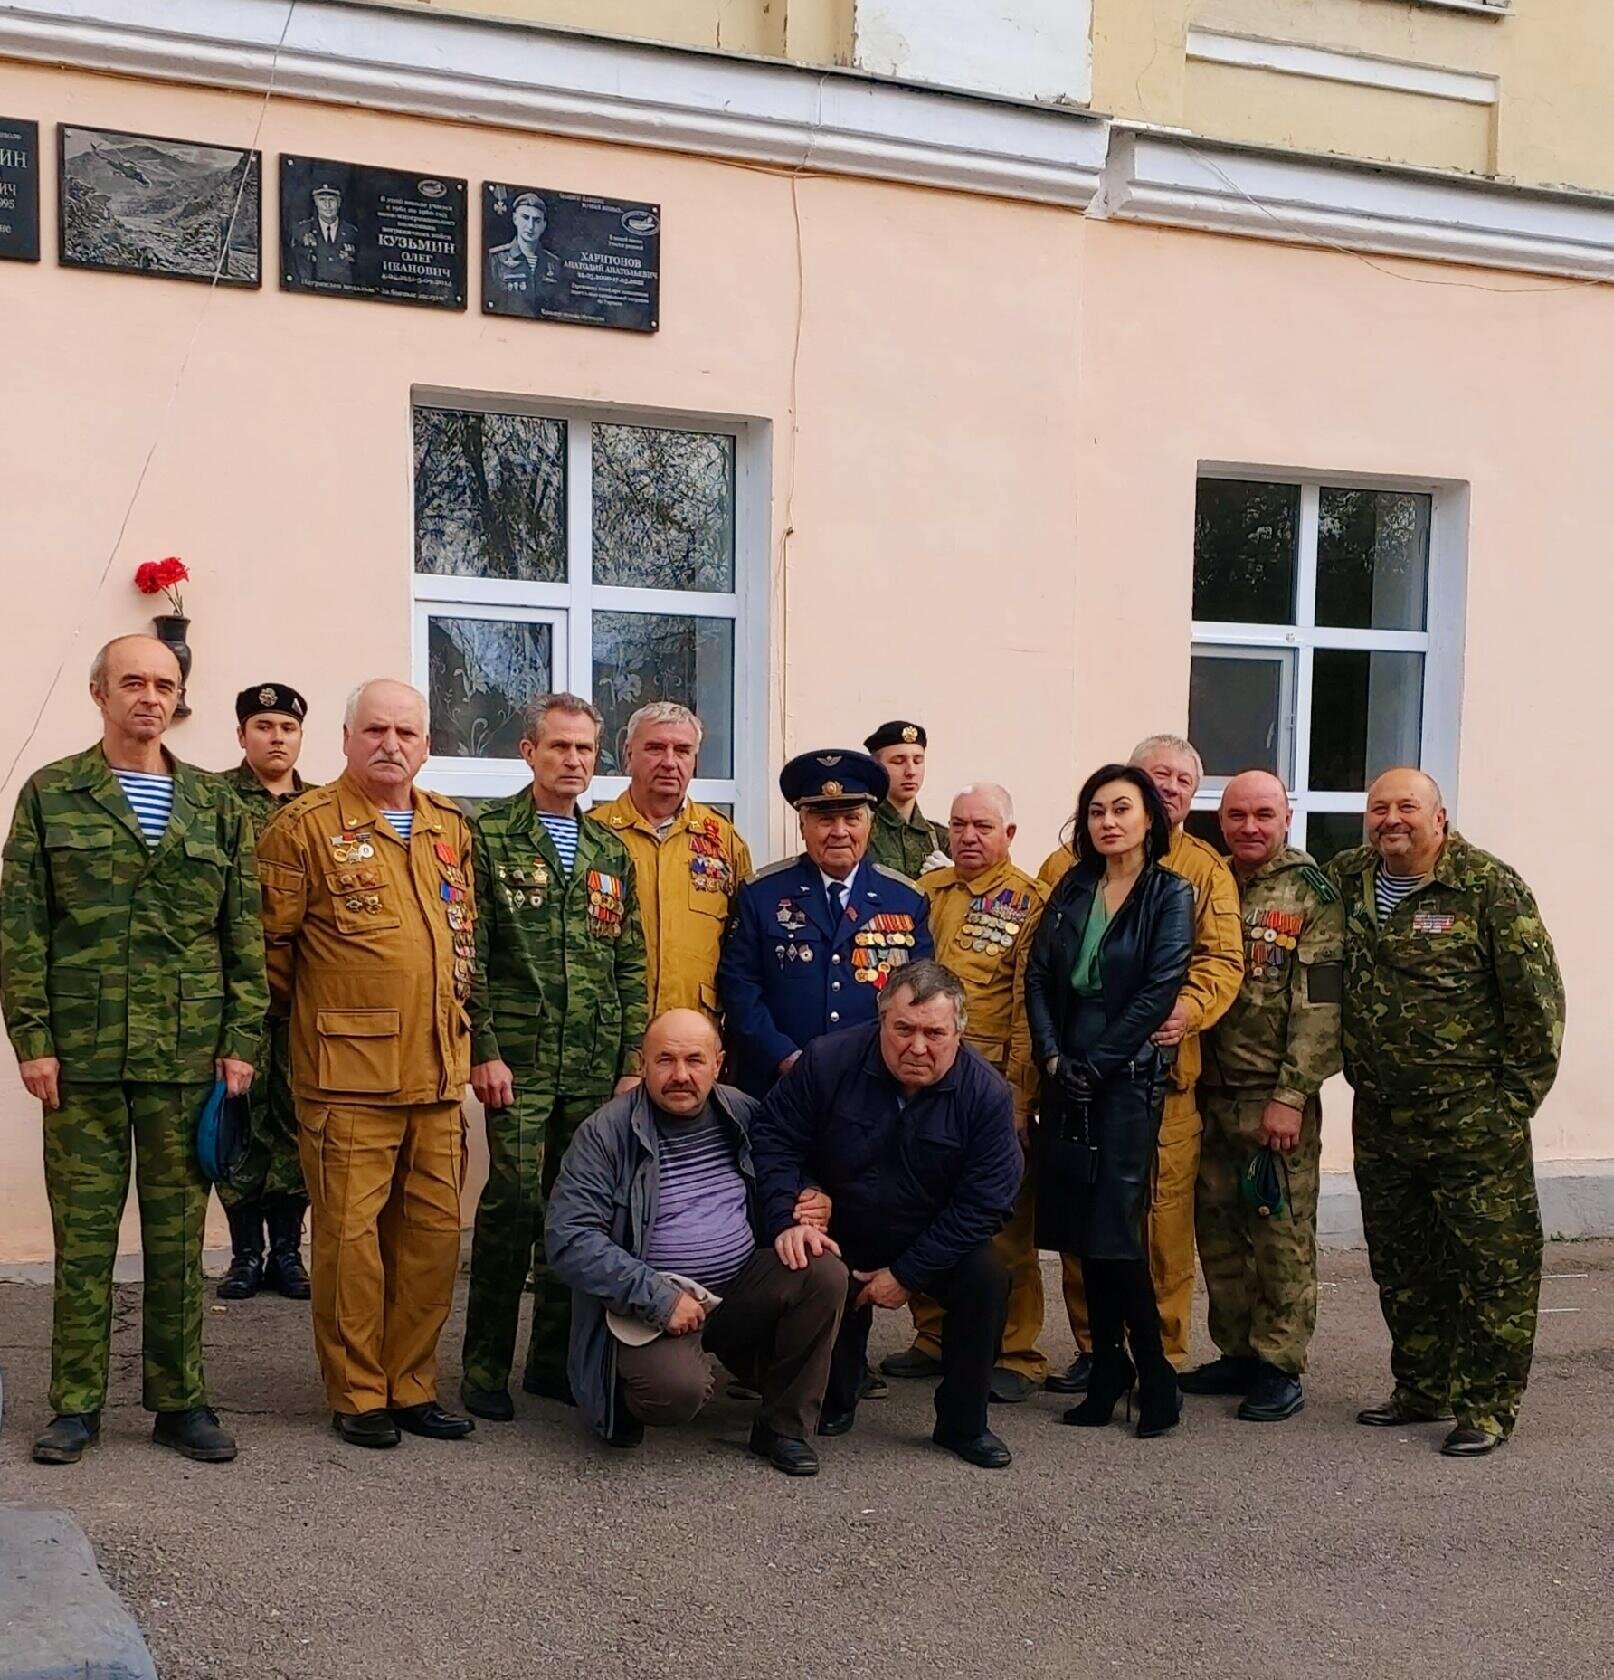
{"points": [[911, 1134], [813, 940]]}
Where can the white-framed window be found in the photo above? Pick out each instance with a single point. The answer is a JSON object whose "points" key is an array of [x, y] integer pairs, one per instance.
{"points": [[1327, 639], [602, 551]]}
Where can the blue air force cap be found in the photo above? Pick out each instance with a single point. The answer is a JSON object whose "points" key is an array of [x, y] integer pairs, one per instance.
{"points": [[816, 781]]}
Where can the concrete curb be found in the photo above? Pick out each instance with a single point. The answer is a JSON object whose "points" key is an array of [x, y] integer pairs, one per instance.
{"points": [[58, 1619]]}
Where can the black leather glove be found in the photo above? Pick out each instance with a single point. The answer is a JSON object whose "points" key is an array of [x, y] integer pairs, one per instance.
{"points": [[1077, 1082]]}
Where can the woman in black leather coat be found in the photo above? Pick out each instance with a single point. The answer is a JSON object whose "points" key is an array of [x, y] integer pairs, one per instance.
{"points": [[1109, 957]]}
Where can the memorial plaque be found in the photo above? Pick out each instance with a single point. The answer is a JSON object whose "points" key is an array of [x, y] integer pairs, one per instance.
{"points": [[176, 208], [352, 231], [557, 256], [19, 189]]}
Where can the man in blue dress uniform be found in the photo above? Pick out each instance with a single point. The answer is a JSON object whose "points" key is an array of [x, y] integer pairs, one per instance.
{"points": [[814, 939]]}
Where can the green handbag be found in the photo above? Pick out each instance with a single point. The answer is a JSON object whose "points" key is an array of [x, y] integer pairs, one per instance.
{"points": [[1264, 1184]]}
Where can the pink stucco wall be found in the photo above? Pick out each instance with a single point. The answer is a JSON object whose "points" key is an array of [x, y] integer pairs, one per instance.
{"points": [[1000, 411]]}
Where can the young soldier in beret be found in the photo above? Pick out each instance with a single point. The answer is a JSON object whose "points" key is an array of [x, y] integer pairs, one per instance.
{"points": [[903, 838], [268, 1188]]}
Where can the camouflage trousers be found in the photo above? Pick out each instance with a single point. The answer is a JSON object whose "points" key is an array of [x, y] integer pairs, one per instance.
{"points": [[526, 1142], [1260, 1274], [1454, 1238], [272, 1164], [87, 1158]]}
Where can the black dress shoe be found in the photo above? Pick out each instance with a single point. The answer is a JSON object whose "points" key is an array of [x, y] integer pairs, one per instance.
{"points": [[984, 1450], [67, 1437], [1009, 1388], [1468, 1442], [783, 1452], [1228, 1374], [1274, 1396], [1073, 1379], [873, 1386], [1393, 1414], [494, 1404], [911, 1364], [430, 1420], [549, 1385], [836, 1423], [366, 1429], [196, 1433]]}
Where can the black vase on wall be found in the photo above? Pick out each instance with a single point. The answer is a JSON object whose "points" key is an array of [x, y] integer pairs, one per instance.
{"points": [[170, 629]]}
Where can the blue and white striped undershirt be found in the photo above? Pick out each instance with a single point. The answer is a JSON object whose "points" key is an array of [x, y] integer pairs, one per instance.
{"points": [[1389, 890], [702, 1229], [563, 831], [403, 821], [151, 798]]}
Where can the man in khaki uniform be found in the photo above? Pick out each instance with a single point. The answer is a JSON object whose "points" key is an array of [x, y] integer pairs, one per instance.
{"points": [[369, 925], [1265, 1063], [983, 914], [688, 861], [1214, 974]]}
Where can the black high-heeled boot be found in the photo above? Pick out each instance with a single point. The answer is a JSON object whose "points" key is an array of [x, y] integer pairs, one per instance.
{"points": [[1159, 1399], [1112, 1377]]}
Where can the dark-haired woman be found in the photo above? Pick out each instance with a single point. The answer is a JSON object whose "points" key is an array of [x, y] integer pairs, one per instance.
{"points": [[1108, 960]]}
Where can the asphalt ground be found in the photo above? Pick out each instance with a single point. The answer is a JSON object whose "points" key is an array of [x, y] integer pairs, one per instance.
{"points": [[1310, 1548]]}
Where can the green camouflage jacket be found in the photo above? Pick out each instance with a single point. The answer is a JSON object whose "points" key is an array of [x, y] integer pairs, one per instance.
{"points": [[561, 990], [120, 961], [1281, 1035], [256, 800], [1457, 992], [904, 846]]}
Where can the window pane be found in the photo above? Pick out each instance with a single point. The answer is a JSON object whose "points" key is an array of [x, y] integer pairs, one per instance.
{"points": [[1204, 825], [1236, 714], [1372, 559], [1366, 715], [1244, 551], [1331, 832], [663, 509], [640, 657], [481, 672], [490, 496]]}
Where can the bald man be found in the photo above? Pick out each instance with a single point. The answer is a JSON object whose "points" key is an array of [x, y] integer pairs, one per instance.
{"points": [[1453, 1022], [651, 1225], [1265, 1062], [131, 967], [369, 920]]}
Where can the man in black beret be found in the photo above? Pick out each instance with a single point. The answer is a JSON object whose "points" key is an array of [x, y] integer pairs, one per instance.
{"points": [[903, 838], [267, 1192]]}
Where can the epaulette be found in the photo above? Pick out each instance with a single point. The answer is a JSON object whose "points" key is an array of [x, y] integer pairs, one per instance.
{"points": [[1319, 883], [934, 877], [895, 875], [773, 869]]}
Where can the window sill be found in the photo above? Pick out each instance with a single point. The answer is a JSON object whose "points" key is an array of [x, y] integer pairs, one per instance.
{"points": [[1483, 8]]}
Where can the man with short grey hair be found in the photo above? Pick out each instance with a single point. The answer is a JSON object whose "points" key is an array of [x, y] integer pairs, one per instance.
{"points": [[911, 1135], [688, 860]]}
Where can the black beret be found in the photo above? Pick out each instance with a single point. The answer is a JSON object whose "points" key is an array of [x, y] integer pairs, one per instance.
{"points": [[270, 697], [833, 777], [897, 733]]}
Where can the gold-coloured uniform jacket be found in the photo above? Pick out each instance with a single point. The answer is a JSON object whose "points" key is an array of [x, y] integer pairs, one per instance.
{"points": [[686, 885], [371, 946], [983, 930]]}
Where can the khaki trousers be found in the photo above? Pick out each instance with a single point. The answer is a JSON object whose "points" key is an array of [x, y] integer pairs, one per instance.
{"points": [[1171, 1233], [384, 1198], [1017, 1248]]}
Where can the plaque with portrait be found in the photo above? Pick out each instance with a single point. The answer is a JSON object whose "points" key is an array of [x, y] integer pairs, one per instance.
{"points": [[19, 189]]}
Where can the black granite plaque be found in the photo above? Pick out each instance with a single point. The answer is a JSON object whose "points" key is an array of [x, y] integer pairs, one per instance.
{"points": [[352, 231], [138, 204], [19, 189], [558, 256]]}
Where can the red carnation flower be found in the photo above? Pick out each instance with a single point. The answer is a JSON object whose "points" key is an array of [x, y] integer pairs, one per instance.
{"points": [[163, 577]]}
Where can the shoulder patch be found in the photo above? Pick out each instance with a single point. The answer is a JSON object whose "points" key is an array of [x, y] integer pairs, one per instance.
{"points": [[894, 875], [1319, 883], [774, 869]]}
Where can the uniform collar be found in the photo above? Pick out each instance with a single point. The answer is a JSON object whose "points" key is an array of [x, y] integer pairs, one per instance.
{"points": [[994, 878], [886, 812], [356, 810], [1286, 857], [625, 814]]}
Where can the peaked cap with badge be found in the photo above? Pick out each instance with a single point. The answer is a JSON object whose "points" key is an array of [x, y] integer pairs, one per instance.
{"points": [[833, 778]]}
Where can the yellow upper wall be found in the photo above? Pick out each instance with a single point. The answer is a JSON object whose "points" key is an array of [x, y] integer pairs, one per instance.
{"points": [[1524, 94]]}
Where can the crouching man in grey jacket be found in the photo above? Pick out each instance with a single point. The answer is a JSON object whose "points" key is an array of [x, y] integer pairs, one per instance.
{"points": [[652, 1224]]}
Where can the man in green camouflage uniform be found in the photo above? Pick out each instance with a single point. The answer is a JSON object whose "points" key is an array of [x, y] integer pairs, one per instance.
{"points": [[558, 1008], [902, 837], [267, 1188], [131, 964], [1264, 1064], [1453, 1021]]}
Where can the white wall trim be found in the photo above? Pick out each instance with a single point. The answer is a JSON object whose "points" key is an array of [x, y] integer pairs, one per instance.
{"points": [[1178, 180], [511, 76], [1289, 58]]}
